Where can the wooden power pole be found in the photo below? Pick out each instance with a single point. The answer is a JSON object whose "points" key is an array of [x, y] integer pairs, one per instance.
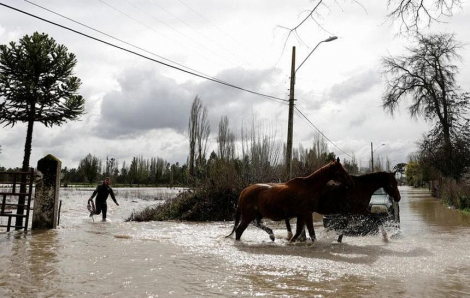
{"points": [[290, 126]]}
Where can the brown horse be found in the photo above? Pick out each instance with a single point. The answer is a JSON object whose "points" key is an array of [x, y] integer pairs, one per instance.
{"points": [[339, 199], [296, 198]]}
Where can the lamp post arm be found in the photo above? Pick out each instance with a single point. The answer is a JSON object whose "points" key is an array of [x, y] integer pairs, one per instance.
{"points": [[309, 55], [331, 38], [378, 147]]}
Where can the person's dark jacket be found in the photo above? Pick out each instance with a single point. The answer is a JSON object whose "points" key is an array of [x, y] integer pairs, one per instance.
{"points": [[102, 192]]}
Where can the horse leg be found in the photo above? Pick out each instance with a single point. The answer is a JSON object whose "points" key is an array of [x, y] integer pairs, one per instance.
{"points": [[384, 233], [340, 237], [303, 236], [260, 225], [309, 223], [289, 229], [241, 228], [299, 228]]}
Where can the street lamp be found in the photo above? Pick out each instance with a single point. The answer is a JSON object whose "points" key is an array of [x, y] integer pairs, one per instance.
{"points": [[331, 38], [290, 126], [372, 151]]}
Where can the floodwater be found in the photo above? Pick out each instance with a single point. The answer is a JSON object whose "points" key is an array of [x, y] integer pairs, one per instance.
{"points": [[428, 257]]}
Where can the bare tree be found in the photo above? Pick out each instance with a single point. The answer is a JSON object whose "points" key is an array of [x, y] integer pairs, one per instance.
{"points": [[202, 137], [111, 167], [226, 140], [192, 132], [427, 76], [308, 160], [260, 146], [412, 15], [310, 15], [199, 131], [388, 164]]}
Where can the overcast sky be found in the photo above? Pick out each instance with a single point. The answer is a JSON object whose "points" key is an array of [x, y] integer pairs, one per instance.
{"points": [[137, 107]]}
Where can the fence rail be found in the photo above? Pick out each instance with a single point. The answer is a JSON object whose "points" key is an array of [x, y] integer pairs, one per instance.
{"points": [[16, 195]]}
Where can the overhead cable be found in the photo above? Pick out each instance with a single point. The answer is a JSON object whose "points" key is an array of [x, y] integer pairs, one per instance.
{"points": [[115, 38], [313, 125], [145, 57]]}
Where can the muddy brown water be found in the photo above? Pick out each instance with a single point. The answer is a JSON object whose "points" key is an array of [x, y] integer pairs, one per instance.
{"points": [[428, 257]]}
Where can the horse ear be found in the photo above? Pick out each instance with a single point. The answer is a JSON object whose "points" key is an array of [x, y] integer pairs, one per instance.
{"points": [[337, 159]]}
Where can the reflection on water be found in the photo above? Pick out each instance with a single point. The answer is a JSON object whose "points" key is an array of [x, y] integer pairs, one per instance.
{"points": [[427, 258], [434, 214]]}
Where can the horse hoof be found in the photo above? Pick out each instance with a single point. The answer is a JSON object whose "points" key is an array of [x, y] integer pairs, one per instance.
{"points": [[272, 237]]}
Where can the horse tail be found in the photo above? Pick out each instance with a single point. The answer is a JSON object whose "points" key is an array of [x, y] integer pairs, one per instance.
{"points": [[238, 214]]}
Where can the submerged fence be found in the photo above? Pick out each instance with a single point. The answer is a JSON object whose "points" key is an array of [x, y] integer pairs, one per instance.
{"points": [[16, 196]]}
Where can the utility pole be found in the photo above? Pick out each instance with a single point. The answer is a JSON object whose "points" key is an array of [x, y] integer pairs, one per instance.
{"points": [[372, 156], [290, 126]]}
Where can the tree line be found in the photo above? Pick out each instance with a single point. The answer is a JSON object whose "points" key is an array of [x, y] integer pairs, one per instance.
{"points": [[140, 171]]}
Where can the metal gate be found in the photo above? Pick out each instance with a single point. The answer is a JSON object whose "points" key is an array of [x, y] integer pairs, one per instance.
{"points": [[16, 192]]}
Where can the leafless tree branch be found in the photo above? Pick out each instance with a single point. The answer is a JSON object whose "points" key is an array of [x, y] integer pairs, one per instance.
{"points": [[413, 15]]}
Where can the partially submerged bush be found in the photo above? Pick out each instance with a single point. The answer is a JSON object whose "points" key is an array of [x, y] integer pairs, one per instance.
{"points": [[456, 194], [194, 205], [214, 199]]}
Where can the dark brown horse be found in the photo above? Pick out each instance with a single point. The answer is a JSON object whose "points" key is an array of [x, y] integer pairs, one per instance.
{"points": [[339, 199], [296, 198]]}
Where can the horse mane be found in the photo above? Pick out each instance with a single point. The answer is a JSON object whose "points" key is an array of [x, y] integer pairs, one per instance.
{"points": [[376, 176], [321, 170], [368, 182], [314, 175]]}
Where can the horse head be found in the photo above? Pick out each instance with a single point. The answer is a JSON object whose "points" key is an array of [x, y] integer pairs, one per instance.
{"points": [[340, 174], [391, 187]]}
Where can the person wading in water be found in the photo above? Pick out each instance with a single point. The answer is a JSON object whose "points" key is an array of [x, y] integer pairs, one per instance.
{"points": [[102, 192]]}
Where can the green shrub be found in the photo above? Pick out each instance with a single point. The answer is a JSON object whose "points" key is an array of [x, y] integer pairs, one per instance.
{"points": [[464, 202]]}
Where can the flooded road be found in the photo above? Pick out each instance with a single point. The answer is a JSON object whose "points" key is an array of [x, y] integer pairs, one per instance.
{"points": [[429, 257]]}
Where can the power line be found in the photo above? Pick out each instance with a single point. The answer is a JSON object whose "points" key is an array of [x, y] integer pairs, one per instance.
{"points": [[225, 34], [165, 24], [310, 122], [201, 75], [240, 59], [148, 58], [115, 38]]}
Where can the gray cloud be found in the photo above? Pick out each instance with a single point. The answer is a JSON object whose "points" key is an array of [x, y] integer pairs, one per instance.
{"points": [[358, 121], [225, 101], [356, 84], [146, 100]]}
